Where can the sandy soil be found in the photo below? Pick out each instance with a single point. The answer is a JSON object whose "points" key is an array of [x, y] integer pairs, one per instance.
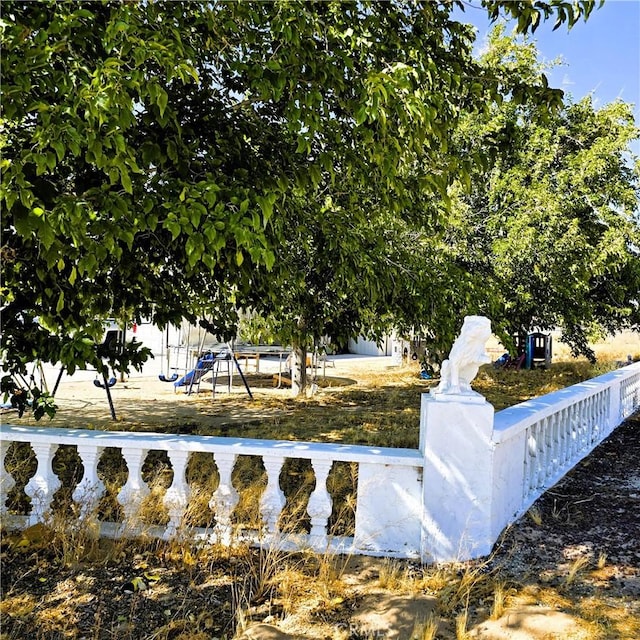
{"points": [[144, 400]]}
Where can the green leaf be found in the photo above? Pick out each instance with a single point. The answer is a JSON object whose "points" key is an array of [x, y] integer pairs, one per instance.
{"points": [[46, 234], [303, 145], [59, 149], [361, 114], [126, 180], [269, 259], [162, 100], [173, 226]]}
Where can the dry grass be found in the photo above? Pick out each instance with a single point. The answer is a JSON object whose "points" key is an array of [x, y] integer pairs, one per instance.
{"points": [[499, 600], [304, 590], [381, 408], [535, 516], [577, 567], [462, 620], [426, 630]]}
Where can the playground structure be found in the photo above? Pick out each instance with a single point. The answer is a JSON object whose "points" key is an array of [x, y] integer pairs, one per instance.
{"points": [[182, 349], [199, 358], [536, 348], [190, 357], [212, 362], [225, 358], [532, 351]]}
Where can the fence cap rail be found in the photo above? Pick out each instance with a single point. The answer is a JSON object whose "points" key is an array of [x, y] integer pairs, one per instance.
{"points": [[212, 444]]}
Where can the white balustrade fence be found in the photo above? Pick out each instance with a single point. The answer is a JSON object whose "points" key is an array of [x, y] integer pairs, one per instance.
{"points": [[473, 474], [549, 435], [135, 448]]}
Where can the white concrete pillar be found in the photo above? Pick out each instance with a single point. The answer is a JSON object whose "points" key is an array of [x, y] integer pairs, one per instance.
{"points": [[456, 442]]}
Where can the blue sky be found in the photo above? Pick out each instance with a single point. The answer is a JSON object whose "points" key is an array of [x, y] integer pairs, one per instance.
{"points": [[601, 56]]}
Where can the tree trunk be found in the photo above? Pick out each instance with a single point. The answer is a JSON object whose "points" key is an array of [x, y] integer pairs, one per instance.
{"points": [[298, 369]]}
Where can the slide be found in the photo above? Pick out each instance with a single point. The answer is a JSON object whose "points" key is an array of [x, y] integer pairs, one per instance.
{"points": [[204, 364]]}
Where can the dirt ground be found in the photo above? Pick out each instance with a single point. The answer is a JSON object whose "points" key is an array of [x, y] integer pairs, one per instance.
{"points": [[569, 569], [144, 400]]}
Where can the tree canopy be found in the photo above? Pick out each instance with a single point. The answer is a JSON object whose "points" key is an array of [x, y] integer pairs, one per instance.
{"points": [[554, 224], [187, 160]]}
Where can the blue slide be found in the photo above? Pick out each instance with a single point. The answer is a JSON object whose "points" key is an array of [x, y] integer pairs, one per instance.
{"points": [[204, 364]]}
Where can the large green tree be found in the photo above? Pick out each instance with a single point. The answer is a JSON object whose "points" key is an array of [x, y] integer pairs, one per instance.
{"points": [[351, 261], [153, 154], [553, 225]]}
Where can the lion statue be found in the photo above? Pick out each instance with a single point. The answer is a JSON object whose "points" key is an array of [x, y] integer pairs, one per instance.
{"points": [[466, 356]]}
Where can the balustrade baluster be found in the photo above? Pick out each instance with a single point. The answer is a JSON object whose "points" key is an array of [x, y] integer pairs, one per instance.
{"points": [[609, 412], [600, 415], [547, 461], [44, 483], [320, 503], [568, 436], [564, 440], [273, 499], [225, 496], [584, 425], [578, 426], [540, 454], [6, 479], [575, 431], [564, 437], [588, 422], [581, 426], [555, 439], [619, 407], [591, 431], [603, 415], [530, 460], [135, 489], [585, 414], [177, 495], [535, 449], [90, 489]]}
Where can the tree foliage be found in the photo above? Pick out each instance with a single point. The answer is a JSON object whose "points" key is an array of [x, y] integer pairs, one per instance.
{"points": [[554, 224], [185, 160]]}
